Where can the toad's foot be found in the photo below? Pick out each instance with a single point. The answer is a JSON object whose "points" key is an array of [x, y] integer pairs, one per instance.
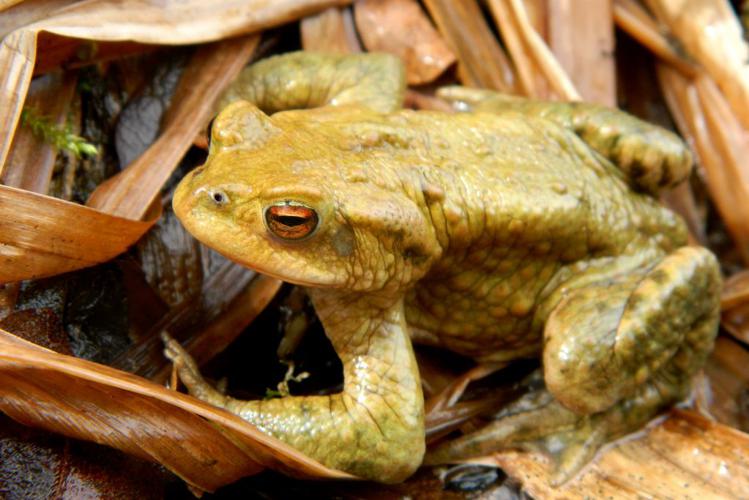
{"points": [[539, 422], [189, 373]]}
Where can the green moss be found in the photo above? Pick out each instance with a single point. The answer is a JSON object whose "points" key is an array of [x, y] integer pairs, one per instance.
{"points": [[59, 136]]}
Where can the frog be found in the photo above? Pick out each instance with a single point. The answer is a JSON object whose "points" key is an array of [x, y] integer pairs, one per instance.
{"points": [[510, 229]]}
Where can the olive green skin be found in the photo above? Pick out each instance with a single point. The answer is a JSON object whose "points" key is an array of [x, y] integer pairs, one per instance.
{"points": [[521, 229]]}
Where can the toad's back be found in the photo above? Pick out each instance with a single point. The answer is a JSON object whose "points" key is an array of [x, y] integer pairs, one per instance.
{"points": [[517, 204]]}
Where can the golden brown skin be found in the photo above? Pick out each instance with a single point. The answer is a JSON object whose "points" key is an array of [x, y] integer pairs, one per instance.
{"points": [[498, 234]]}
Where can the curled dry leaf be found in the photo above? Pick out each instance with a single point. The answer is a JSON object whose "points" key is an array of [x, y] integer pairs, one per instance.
{"points": [[43, 236], [402, 28], [704, 118], [538, 70], [15, 15], [481, 60], [735, 290], [331, 30], [711, 33], [581, 35], [205, 446], [729, 382], [6, 4], [634, 19]]}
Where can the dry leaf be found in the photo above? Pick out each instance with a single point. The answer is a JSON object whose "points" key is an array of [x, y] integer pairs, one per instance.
{"points": [[26, 12], [711, 33], [729, 383], [706, 122], [735, 290], [581, 36], [401, 27], [684, 456], [481, 60], [332, 30], [42, 236], [736, 322], [537, 68], [205, 446], [37, 230], [632, 18]]}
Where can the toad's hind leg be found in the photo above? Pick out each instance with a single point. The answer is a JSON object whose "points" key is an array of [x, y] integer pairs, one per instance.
{"points": [[616, 352]]}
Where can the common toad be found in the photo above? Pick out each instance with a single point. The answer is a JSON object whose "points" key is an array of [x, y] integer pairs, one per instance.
{"points": [[518, 229]]}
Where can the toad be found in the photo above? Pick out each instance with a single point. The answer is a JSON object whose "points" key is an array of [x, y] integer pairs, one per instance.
{"points": [[516, 229]]}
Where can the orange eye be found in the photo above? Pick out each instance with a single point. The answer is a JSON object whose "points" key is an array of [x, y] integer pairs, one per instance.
{"points": [[290, 221]]}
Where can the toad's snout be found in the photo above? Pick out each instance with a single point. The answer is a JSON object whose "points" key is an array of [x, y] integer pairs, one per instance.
{"points": [[185, 198]]}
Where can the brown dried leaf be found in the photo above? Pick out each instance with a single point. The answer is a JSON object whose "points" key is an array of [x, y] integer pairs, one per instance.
{"points": [[39, 238], [685, 456], [538, 16], [537, 68], [581, 36], [177, 22], [704, 118], [729, 382], [632, 18], [402, 28], [42, 236], [711, 33], [26, 12], [735, 290], [736, 321], [6, 4], [481, 60], [205, 446], [332, 30]]}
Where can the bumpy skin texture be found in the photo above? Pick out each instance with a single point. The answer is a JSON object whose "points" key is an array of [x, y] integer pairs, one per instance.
{"points": [[499, 234]]}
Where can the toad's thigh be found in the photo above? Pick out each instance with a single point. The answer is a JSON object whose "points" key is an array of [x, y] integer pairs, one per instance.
{"points": [[605, 340]]}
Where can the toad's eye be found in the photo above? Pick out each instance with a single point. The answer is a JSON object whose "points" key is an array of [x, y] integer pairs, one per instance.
{"points": [[218, 197], [291, 221]]}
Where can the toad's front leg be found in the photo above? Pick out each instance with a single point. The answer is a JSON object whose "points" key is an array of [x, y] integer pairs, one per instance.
{"points": [[374, 428]]}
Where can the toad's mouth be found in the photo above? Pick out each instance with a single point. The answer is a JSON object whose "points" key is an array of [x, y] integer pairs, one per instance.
{"points": [[272, 274]]}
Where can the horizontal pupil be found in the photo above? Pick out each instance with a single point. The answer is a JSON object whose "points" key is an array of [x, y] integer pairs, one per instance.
{"points": [[290, 220]]}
